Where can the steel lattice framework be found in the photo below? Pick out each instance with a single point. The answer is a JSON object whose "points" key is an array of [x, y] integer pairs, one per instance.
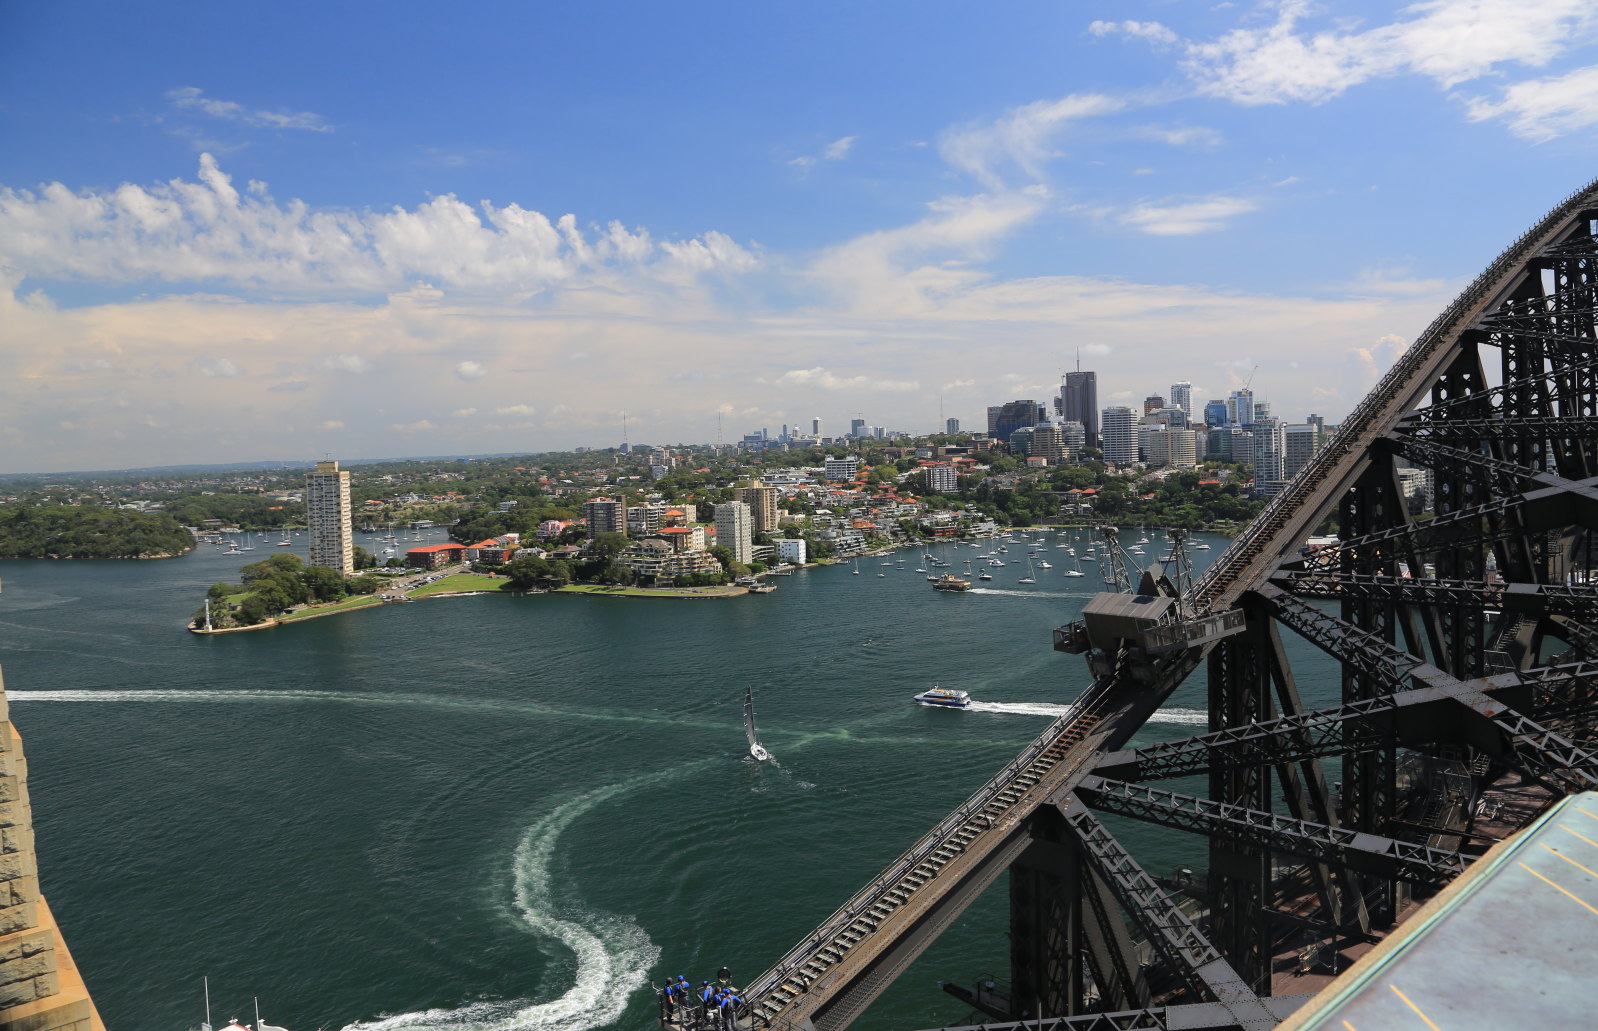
{"points": [[1466, 629]]}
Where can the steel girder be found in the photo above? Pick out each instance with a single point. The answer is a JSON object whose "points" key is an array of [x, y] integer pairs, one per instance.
{"points": [[1356, 850]]}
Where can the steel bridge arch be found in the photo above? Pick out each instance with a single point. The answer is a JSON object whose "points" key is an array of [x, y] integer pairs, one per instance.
{"points": [[1467, 630]]}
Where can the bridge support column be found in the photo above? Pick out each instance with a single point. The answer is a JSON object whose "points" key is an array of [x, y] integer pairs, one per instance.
{"points": [[1239, 881]]}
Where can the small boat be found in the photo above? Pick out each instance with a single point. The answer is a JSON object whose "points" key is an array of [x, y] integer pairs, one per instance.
{"points": [[857, 565], [1201, 547], [946, 697], [756, 749], [950, 582], [1045, 563], [1031, 574], [984, 575], [883, 575]]}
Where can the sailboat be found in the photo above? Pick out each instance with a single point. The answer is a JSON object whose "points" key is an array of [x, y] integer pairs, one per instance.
{"points": [[857, 565], [1075, 570], [1031, 574], [756, 749]]}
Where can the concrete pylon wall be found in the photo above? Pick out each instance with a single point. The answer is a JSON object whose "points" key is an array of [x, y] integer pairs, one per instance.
{"points": [[40, 987]]}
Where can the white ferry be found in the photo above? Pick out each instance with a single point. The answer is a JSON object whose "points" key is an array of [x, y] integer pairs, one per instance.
{"points": [[945, 696]]}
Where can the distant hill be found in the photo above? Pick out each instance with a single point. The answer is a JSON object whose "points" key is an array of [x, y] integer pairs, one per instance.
{"points": [[242, 467], [87, 531]]}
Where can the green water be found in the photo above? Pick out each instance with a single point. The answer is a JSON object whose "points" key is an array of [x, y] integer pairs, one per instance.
{"points": [[499, 812]]}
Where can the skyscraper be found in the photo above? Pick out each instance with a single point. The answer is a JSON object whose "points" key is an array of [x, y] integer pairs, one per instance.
{"points": [[1153, 403], [1240, 407], [1182, 397], [815, 427], [1005, 419], [1119, 442], [762, 501], [951, 426], [327, 517], [1079, 402], [1048, 442], [735, 529], [1215, 413], [605, 515], [1302, 441], [857, 427]]}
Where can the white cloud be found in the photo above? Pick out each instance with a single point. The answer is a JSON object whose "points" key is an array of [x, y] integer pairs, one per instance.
{"points": [[1541, 109], [352, 363], [827, 380], [192, 98], [1449, 41], [332, 424], [839, 148], [1185, 219], [419, 426], [212, 365], [190, 231], [528, 410], [1023, 137], [469, 370], [463, 413], [1186, 136], [1152, 31]]}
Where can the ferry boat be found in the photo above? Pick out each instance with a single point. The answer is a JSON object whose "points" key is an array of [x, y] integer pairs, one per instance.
{"points": [[950, 582], [945, 696]]}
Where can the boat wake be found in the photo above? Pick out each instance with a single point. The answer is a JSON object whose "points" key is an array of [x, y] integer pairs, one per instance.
{"points": [[1179, 717], [1024, 594], [613, 953]]}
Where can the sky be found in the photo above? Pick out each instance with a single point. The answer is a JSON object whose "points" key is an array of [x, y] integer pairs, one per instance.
{"points": [[261, 232]]}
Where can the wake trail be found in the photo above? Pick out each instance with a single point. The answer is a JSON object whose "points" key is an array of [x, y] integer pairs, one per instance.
{"points": [[613, 953], [1180, 717], [1023, 594]]}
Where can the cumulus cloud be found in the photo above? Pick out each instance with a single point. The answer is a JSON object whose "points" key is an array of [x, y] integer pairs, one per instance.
{"points": [[1152, 31], [827, 380], [419, 426], [1448, 41], [332, 424], [1541, 109], [192, 98], [352, 363], [524, 410], [206, 231], [1186, 218], [212, 365], [470, 370], [463, 413]]}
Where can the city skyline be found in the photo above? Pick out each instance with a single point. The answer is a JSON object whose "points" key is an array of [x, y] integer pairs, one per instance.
{"points": [[228, 240]]}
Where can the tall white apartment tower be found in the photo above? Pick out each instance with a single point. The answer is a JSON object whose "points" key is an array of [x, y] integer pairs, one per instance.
{"points": [[735, 529], [327, 514], [1118, 435], [1182, 397]]}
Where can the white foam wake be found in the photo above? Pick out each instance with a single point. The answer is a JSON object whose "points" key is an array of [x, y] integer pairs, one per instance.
{"points": [[1021, 708], [1183, 717], [1022, 594], [613, 953]]}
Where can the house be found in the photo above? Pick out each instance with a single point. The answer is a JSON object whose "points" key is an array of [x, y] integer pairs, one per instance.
{"points": [[435, 556]]}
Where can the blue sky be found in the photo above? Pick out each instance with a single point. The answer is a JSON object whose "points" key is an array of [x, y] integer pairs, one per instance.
{"points": [[237, 234]]}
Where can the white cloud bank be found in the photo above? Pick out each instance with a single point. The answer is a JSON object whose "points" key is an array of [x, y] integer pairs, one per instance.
{"points": [[186, 231]]}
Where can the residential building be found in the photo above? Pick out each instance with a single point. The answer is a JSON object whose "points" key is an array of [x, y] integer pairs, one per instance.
{"points": [[951, 426], [762, 501], [605, 515], [1301, 441], [1079, 402], [327, 516], [792, 549], [435, 556], [656, 559], [1240, 408], [1270, 453], [943, 479], [683, 538], [1182, 397], [1048, 442], [735, 529], [1020, 441], [1075, 435], [840, 468], [1119, 438], [1005, 419]]}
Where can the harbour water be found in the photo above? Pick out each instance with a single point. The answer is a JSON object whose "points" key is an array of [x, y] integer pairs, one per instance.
{"points": [[512, 812]]}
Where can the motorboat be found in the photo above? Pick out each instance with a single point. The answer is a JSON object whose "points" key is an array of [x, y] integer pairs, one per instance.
{"points": [[945, 696], [984, 575]]}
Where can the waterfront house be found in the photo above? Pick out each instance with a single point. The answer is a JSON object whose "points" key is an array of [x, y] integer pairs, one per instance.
{"points": [[435, 556]]}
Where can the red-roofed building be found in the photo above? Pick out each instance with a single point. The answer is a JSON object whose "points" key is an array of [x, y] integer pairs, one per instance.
{"points": [[435, 556], [492, 550]]}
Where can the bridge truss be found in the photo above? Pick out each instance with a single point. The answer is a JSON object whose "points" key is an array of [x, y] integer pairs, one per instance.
{"points": [[1466, 628]]}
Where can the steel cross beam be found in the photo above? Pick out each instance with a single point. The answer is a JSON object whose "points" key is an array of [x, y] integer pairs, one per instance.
{"points": [[1504, 477], [1356, 850], [1455, 431], [1195, 1016], [1530, 598]]}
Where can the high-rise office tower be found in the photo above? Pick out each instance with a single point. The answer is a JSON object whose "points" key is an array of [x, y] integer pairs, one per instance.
{"points": [[1182, 397], [1302, 440], [1119, 440], [815, 427], [1079, 402], [762, 501], [327, 517], [1048, 442], [951, 426], [735, 529], [857, 427], [1005, 419], [1153, 403], [1240, 408], [1319, 423], [1215, 413]]}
